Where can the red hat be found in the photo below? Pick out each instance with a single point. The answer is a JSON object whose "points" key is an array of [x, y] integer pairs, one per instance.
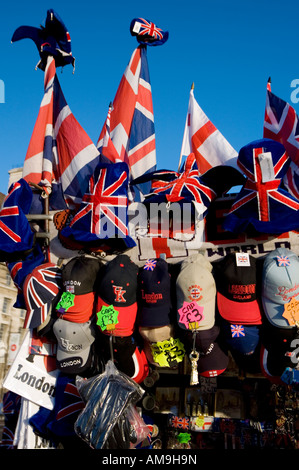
{"points": [[116, 301]]}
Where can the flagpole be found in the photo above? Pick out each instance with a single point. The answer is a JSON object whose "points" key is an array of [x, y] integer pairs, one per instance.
{"points": [[181, 154]]}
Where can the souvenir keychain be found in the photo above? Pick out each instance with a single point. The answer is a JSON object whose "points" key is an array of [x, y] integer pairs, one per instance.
{"points": [[194, 356]]}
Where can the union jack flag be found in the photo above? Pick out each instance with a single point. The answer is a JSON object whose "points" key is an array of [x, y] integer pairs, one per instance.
{"points": [[283, 261], [15, 232], [237, 331], [132, 130], [281, 124], [203, 139], [40, 289], [60, 156], [182, 423], [150, 265]]}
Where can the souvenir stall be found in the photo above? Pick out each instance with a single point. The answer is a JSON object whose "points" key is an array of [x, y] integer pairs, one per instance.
{"points": [[162, 306]]}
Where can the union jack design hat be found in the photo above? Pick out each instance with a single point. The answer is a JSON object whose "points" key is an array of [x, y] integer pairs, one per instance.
{"points": [[41, 289], [16, 237], [262, 203], [148, 33], [102, 219]]}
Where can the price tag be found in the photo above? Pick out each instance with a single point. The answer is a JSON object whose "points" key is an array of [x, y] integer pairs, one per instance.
{"points": [[266, 164], [168, 352], [107, 318], [291, 311], [191, 314], [66, 301], [200, 421]]}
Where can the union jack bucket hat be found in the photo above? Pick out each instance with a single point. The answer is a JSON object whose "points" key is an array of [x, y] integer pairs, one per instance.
{"points": [[280, 287]]}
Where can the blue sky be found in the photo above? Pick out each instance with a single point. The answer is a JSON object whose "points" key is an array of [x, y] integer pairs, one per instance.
{"points": [[227, 48]]}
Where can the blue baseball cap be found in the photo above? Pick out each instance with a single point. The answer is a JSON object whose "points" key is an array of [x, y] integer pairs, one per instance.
{"points": [[242, 339], [280, 284]]}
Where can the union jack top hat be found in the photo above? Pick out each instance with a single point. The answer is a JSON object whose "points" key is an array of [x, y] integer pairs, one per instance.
{"points": [[148, 33], [262, 202]]}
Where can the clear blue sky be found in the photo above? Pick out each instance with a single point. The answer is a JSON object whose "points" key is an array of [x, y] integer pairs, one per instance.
{"points": [[227, 48]]}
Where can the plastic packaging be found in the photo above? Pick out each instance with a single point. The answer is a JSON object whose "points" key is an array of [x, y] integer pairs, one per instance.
{"points": [[109, 419]]}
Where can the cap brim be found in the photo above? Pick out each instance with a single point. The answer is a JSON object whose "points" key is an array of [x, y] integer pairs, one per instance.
{"points": [[273, 311], [240, 313], [152, 317], [213, 364], [81, 311], [126, 319], [266, 369], [155, 334]]}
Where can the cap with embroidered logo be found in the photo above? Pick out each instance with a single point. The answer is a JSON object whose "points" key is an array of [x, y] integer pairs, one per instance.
{"points": [[196, 294], [74, 341], [79, 276], [237, 279], [154, 304], [116, 297], [280, 288]]}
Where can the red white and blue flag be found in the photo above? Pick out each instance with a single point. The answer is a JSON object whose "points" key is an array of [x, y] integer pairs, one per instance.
{"points": [[60, 157], [131, 122], [203, 139], [281, 124]]}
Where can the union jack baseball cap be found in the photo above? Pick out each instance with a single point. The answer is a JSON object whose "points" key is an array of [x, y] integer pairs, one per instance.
{"points": [[41, 290], [196, 294], [280, 287], [116, 296], [237, 277], [154, 294], [77, 300]]}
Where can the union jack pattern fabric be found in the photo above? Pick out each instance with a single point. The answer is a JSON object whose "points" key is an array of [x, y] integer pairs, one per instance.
{"points": [[40, 288], [185, 186], [283, 261], [132, 129], [182, 423], [20, 269], [15, 233], [103, 212], [237, 331], [281, 124], [147, 32], [150, 265], [60, 156], [203, 139], [262, 202]]}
